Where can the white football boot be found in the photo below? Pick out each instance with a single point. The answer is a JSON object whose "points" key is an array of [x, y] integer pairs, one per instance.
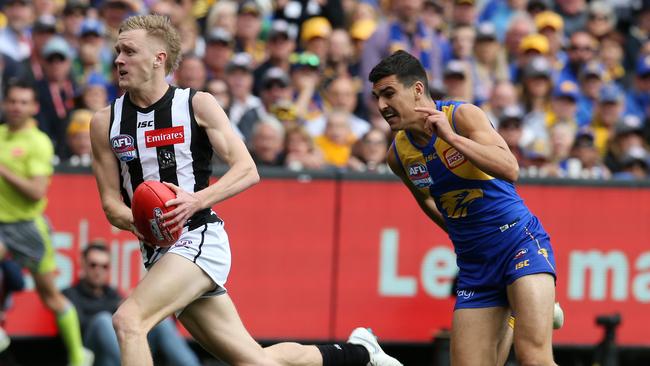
{"points": [[365, 338]]}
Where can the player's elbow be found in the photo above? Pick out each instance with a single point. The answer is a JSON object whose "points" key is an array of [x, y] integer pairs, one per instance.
{"points": [[513, 173], [252, 176]]}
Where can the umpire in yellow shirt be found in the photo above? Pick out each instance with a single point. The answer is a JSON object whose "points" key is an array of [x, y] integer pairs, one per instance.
{"points": [[25, 168]]}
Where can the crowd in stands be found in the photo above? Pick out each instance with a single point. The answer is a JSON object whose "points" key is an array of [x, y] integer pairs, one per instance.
{"points": [[565, 82]]}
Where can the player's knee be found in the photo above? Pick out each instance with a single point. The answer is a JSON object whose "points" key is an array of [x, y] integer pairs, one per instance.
{"points": [[127, 322], [534, 356]]}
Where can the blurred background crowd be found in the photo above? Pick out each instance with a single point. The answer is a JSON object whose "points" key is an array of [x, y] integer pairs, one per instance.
{"points": [[566, 82]]}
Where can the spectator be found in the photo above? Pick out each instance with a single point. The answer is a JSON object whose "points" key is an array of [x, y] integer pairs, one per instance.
{"points": [[240, 81], [637, 35], [535, 7], [74, 13], [551, 26], [11, 280], [582, 49], [337, 139], [457, 81], [564, 104], [280, 45], [510, 128], [601, 19], [638, 97], [574, 13], [463, 13], [14, 37], [220, 91], [56, 92], [93, 56], [536, 100], [608, 112], [628, 134], [96, 301], [306, 79], [94, 93], [462, 42], [592, 77], [301, 151], [267, 143], [585, 161], [340, 94], [78, 138], [276, 88], [520, 26], [562, 137], [611, 55], [218, 51], [223, 15], [408, 32], [433, 15], [489, 63], [249, 24], [113, 12], [191, 73], [44, 28], [192, 43], [634, 165], [532, 45], [369, 153], [314, 36], [499, 12], [339, 54], [503, 94]]}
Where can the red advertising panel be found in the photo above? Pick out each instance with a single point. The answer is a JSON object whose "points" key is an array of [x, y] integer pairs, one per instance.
{"points": [[312, 260], [395, 265]]}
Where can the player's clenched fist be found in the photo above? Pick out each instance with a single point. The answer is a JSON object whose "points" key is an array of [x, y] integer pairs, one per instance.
{"points": [[436, 123]]}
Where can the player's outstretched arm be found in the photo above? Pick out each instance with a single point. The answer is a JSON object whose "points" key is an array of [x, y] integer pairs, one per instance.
{"points": [[107, 173], [476, 139], [426, 203]]}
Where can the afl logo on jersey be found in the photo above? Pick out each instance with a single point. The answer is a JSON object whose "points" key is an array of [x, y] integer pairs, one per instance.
{"points": [[124, 147], [419, 175]]}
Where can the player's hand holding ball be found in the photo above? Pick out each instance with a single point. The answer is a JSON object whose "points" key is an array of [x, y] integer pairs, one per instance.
{"points": [[149, 207]]}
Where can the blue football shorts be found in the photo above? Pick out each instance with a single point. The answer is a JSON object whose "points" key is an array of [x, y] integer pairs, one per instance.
{"points": [[485, 274]]}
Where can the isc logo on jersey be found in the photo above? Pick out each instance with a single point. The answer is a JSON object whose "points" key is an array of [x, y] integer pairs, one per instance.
{"points": [[419, 175], [124, 147]]}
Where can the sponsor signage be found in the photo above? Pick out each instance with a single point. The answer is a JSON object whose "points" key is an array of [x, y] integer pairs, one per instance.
{"points": [[372, 259]]}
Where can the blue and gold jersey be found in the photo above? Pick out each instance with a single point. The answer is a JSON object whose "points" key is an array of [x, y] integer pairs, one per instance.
{"points": [[478, 208]]}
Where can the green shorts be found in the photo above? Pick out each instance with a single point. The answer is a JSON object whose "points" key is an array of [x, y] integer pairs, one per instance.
{"points": [[30, 244]]}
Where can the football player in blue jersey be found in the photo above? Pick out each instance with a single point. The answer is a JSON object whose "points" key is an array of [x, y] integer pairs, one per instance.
{"points": [[461, 173]]}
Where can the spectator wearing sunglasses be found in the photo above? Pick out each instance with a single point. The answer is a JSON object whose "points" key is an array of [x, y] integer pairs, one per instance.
{"points": [[96, 301]]}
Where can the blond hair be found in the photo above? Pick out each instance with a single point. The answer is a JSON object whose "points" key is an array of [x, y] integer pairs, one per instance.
{"points": [[161, 28]]}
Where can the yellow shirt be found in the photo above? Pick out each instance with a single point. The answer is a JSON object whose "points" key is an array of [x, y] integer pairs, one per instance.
{"points": [[333, 153], [27, 153]]}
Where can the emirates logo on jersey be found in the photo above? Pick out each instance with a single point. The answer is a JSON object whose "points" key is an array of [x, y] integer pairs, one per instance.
{"points": [[164, 136]]}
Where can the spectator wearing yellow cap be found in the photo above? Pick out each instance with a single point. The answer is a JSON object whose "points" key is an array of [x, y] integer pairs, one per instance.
{"points": [[314, 36], [500, 12], [78, 138], [532, 45], [551, 25]]}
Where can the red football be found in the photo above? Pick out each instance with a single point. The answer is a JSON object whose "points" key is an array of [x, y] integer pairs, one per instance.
{"points": [[148, 206]]}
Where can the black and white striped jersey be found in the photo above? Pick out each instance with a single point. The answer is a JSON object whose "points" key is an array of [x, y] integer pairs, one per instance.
{"points": [[162, 142]]}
